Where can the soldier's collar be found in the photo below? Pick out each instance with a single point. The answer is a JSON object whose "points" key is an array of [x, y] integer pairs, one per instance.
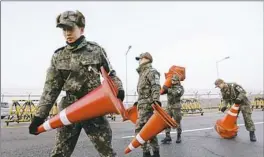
{"points": [[79, 43], [144, 66], [225, 89], [177, 84]]}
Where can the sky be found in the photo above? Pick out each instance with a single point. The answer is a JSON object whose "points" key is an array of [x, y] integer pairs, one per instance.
{"points": [[194, 35]]}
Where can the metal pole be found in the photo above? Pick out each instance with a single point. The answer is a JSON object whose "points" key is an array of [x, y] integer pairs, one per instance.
{"points": [[129, 47], [126, 82], [217, 70]]}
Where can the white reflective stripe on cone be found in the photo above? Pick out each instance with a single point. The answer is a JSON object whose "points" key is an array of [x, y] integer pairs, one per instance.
{"points": [[235, 108], [131, 147], [64, 118], [140, 140], [231, 113], [47, 126]]}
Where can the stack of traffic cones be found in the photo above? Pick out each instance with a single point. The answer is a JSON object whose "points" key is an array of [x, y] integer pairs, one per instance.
{"points": [[174, 70]]}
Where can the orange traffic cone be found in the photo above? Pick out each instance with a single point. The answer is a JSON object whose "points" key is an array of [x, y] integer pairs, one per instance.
{"points": [[132, 114], [99, 102], [178, 70], [227, 127], [157, 122]]}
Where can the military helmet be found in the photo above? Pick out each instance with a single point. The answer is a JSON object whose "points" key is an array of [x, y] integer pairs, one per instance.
{"points": [[70, 18], [175, 78], [146, 55], [218, 82]]}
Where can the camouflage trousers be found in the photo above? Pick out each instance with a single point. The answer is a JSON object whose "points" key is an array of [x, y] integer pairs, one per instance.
{"points": [[97, 129], [145, 111], [247, 112], [175, 113]]}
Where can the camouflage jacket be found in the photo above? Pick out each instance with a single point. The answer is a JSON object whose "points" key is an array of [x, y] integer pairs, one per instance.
{"points": [[174, 95], [232, 92], [75, 70], [148, 86]]}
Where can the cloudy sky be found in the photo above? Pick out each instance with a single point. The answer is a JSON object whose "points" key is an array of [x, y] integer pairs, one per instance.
{"points": [[190, 34]]}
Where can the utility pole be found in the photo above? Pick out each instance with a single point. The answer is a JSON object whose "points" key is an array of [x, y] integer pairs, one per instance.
{"points": [[217, 70], [129, 47]]}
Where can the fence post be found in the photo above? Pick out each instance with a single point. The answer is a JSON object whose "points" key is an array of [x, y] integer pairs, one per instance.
{"points": [[209, 100], [249, 96]]}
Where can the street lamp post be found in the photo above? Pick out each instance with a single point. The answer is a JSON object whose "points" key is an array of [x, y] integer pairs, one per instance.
{"points": [[129, 47], [217, 70]]}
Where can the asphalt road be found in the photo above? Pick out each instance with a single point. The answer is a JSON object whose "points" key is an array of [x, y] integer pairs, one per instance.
{"points": [[199, 139]]}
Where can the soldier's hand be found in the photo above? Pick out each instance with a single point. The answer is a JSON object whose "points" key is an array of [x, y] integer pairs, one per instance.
{"points": [[135, 104], [157, 102], [223, 109], [165, 88], [238, 101], [35, 123], [121, 95]]}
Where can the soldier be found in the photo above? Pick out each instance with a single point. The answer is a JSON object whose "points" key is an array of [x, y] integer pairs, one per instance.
{"points": [[174, 94], [233, 93], [75, 68], [148, 93]]}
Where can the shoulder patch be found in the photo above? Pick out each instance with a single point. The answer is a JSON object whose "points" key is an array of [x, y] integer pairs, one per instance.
{"points": [[61, 48], [157, 78], [179, 90], [239, 88]]}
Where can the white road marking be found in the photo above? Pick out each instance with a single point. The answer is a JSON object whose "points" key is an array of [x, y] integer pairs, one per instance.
{"points": [[193, 130]]}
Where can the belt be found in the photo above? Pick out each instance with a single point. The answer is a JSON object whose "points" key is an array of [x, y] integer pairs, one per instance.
{"points": [[77, 95]]}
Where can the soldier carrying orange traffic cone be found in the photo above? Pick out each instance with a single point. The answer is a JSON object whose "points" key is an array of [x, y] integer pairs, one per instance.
{"points": [[173, 108], [235, 94], [75, 69], [148, 93]]}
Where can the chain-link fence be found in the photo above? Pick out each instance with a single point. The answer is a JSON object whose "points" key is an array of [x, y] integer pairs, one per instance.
{"points": [[207, 99]]}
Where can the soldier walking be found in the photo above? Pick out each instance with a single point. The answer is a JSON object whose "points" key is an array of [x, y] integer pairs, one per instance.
{"points": [[75, 68], [148, 89], [174, 94]]}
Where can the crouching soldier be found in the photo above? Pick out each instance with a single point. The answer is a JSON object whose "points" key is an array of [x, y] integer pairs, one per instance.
{"points": [[233, 93]]}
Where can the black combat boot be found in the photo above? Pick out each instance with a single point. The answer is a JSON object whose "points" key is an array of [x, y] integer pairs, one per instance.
{"points": [[156, 154], [167, 139], [252, 136], [178, 138], [146, 154]]}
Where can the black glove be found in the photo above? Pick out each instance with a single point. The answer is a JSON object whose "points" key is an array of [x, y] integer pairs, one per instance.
{"points": [[135, 104], [165, 88], [35, 123], [223, 109], [238, 101], [121, 95], [157, 102]]}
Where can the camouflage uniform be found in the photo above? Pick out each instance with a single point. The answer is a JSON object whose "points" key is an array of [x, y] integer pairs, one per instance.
{"points": [[173, 108], [148, 91], [232, 93], [76, 70]]}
